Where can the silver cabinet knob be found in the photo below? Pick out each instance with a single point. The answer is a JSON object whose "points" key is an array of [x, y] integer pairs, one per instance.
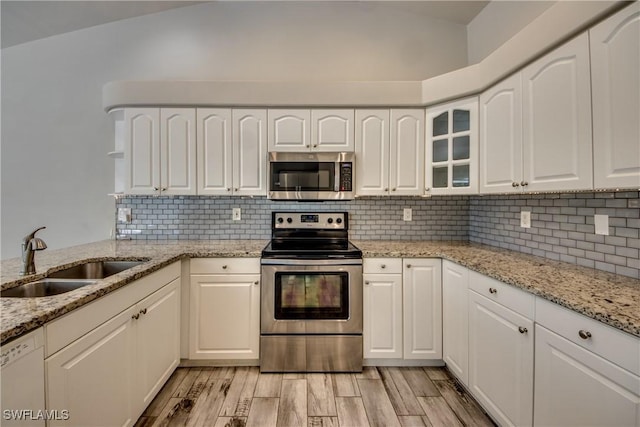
{"points": [[164, 188], [228, 189], [224, 267], [367, 283], [235, 189], [493, 291], [383, 266], [408, 265], [155, 189], [136, 316], [524, 183], [393, 189], [585, 335], [307, 145], [143, 311], [315, 145], [522, 330], [515, 184], [386, 189], [256, 282]]}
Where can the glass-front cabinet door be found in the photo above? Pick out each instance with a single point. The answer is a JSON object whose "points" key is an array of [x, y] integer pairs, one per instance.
{"points": [[452, 148]]}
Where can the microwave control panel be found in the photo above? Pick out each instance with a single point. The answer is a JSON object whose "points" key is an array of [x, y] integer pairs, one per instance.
{"points": [[346, 176]]}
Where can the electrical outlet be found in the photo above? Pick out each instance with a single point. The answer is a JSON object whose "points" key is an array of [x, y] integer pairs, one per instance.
{"points": [[601, 223], [237, 215], [525, 219], [407, 214], [124, 215]]}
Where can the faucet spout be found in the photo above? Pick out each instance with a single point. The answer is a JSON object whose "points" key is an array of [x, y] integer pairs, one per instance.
{"points": [[30, 244]]}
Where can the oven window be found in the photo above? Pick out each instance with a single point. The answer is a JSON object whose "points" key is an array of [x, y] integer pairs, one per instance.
{"points": [[302, 176], [312, 295]]}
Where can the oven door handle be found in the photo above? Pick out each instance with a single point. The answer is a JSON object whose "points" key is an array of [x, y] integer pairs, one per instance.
{"points": [[330, 261]]}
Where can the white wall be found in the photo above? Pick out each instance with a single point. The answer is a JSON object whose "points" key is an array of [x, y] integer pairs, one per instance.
{"points": [[497, 23], [55, 136]]}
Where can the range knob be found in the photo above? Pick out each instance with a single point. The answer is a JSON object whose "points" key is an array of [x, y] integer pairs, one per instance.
{"points": [[330, 220], [280, 220], [339, 221], [289, 220]]}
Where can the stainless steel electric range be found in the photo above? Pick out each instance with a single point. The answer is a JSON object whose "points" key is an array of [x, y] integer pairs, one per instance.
{"points": [[311, 301]]}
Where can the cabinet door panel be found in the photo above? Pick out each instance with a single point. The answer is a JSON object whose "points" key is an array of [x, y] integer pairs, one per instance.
{"points": [[372, 152], [455, 315], [142, 150], [382, 315], [422, 297], [225, 317], [215, 152], [501, 361], [576, 387], [178, 151], [332, 130], [406, 165], [158, 341], [615, 67], [93, 377], [501, 136], [289, 130], [557, 119], [250, 152]]}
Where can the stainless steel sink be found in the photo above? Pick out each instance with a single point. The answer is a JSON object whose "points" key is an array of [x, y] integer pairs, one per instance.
{"points": [[94, 269], [45, 288]]}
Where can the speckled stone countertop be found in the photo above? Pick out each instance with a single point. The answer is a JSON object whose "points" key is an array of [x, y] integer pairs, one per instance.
{"points": [[609, 298]]}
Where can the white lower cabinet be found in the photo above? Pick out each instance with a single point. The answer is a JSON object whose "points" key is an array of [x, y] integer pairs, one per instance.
{"points": [[225, 309], [382, 309], [455, 319], [501, 350], [422, 305], [109, 375], [402, 309], [586, 373]]}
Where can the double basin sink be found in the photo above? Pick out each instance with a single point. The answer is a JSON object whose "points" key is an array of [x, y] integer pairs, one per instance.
{"points": [[71, 278]]}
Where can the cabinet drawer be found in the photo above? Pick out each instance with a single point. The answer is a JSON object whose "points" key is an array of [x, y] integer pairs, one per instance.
{"points": [[616, 346], [517, 300], [382, 265], [225, 266]]}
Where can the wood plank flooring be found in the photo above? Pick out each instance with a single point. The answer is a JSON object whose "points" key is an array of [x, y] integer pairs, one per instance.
{"points": [[243, 397]]}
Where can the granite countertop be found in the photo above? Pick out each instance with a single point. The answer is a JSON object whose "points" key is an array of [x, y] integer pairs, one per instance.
{"points": [[609, 298]]}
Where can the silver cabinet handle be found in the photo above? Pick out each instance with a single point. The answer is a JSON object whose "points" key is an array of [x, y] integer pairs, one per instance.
{"points": [[522, 330], [136, 316], [585, 335], [493, 291], [143, 311]]}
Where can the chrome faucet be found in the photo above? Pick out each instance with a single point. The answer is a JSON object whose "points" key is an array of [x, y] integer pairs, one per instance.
{"points": [[30, 244]]}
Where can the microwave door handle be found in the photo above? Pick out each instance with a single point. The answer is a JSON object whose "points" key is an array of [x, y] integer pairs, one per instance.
{"points": [[336, 180]]}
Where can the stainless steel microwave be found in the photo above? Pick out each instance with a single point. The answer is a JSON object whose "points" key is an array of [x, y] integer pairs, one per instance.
{"points": [[311, 176]]}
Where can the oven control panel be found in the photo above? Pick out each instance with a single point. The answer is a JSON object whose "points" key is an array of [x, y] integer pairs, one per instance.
{"points": [[316, 221]]}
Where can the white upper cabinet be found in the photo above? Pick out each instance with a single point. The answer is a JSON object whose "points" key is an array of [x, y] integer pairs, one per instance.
{"points": [[249, 152], [160, 147], [501, 137], [406, 154], [215, 152], [372, 152], [311, 130], [332, 130], [452, 148], [232, 151], [289, 130], [389, 152], [615, 67], [557, 120]]}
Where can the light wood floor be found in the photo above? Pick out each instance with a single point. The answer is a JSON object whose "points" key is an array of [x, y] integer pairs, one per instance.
{"points": [[242, 396]]}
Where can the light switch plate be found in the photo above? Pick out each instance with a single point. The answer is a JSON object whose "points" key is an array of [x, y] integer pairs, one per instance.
{"points": [[525, 219], [407, 214], [237, 214], [602, 224]]}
